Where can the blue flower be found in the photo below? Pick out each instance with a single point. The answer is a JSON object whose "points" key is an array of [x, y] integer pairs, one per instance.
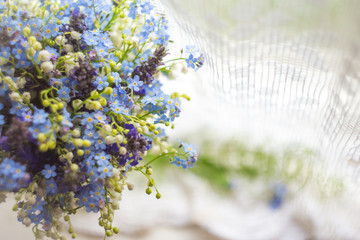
{"points": [[101, 83], [101, 50], [91, 38], [5, 52], [40, 116], [134, 83], [88, 120], [127, 67], [2, 122], [49, 171], [18, 52], [117, 78], [161, 38], [50, 30], [132, 10], [191, 49], [64, 93], [178, 161], [146, 6], [162, 119], [279, 193], [191, 61], [105, 171], [51, 186], [188, 148], [100, 144], [102, 158]]}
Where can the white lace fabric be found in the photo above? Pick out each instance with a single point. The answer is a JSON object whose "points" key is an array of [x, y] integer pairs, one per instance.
{"points": [[291, 68]]}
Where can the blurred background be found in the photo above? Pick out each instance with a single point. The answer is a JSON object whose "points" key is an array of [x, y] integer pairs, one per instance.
{"points": [[275, 116]]}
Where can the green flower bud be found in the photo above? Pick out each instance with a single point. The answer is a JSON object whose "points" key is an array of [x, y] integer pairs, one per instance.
{"points": [[111, 79], [60, 118], [158, 195], [15, 208], [156, 132], [41, 137], [80, 152], [97, 24], [87, 143], [103, 101], [66, 218], [112, 63], [43, 147], [32, 40], [109, 233], [118, 188], [74, 167], [116, 230], [148, 191], [50, 42], [148, 171], [31, 52], [53, 107], [26, 31], [152, 127], [51, 144], [78, 142], [60, 105], [73, 235], [167, 124], [150, 184], [117, 53]]}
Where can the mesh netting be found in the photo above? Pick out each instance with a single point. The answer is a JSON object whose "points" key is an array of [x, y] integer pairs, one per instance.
{"points": [[291, 68]]}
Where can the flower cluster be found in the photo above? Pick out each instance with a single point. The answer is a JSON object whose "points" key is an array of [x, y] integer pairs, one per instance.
{"points": [[81, 105]]}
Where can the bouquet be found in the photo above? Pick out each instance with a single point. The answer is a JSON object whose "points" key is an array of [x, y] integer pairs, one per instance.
{"points": [[81, 105]]}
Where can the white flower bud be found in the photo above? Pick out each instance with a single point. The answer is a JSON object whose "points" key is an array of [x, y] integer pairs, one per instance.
{"points": [[15, 97], [47, 67], [37, 46], [109, 140], [89, 106], [40, 235], [54, 7], [75, 35], [21, 82], [96, 105], [76, 103], [32, 200], [107, 128], [68, 48], [119, 138], [115, 205], [76, 132], [44, 55], [116, 173], [60, 40], [27, 95], [122, 151], [22, 214], [80, 55], [27, 221], [69, 156]]}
